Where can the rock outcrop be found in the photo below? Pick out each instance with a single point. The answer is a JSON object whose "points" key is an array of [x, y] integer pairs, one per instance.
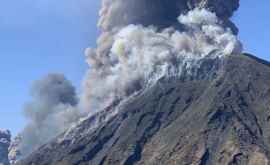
{"points": [[219, 117], [5, 138]]}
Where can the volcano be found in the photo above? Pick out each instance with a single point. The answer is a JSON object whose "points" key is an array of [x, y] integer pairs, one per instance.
{"points": [[167, 84], [217, 115]]}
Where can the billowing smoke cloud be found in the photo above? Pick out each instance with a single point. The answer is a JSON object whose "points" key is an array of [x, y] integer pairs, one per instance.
{"points": [[135, 56], [159, 13], [51, 111]]}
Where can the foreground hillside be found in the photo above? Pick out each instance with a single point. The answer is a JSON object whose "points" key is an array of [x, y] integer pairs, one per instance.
{"points": [[220, 115]]}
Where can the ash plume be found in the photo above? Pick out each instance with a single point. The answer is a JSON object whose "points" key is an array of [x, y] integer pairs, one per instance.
{"points": [[51, 111], [159, 13], [143, 40]]}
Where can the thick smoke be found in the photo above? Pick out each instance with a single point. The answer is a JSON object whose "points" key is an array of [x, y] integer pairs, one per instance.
{"points": [[51, 111], [136, 56], [159, 13], [141, 41]]}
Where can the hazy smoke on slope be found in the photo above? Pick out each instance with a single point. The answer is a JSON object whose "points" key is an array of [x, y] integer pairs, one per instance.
{"points": [[50, 112]]}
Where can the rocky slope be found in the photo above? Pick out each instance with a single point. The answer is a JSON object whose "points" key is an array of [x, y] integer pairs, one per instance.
{"points": [[4, 144], [220, 115]]}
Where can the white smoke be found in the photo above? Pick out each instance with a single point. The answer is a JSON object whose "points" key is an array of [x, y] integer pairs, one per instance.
{"points": [[139, 55], [52, 110]]}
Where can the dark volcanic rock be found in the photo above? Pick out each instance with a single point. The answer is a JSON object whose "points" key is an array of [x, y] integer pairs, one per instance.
{"points": [[4, 144], [216, 119]]}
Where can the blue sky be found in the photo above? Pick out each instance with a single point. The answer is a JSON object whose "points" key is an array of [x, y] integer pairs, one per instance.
{"points": [[45, 36], [253, 22]]}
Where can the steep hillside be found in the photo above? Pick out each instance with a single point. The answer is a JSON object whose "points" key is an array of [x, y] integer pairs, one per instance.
{"points": [[220, 115]]}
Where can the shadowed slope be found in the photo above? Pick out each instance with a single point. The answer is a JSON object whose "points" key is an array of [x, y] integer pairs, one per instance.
{"points": [[219, 116]]}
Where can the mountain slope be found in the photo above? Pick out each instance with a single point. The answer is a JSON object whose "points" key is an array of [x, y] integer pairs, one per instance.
{"points": [[220, 115]]}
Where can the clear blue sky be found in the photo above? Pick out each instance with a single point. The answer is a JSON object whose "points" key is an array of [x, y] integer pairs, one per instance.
{"points": [[43, 36]]}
